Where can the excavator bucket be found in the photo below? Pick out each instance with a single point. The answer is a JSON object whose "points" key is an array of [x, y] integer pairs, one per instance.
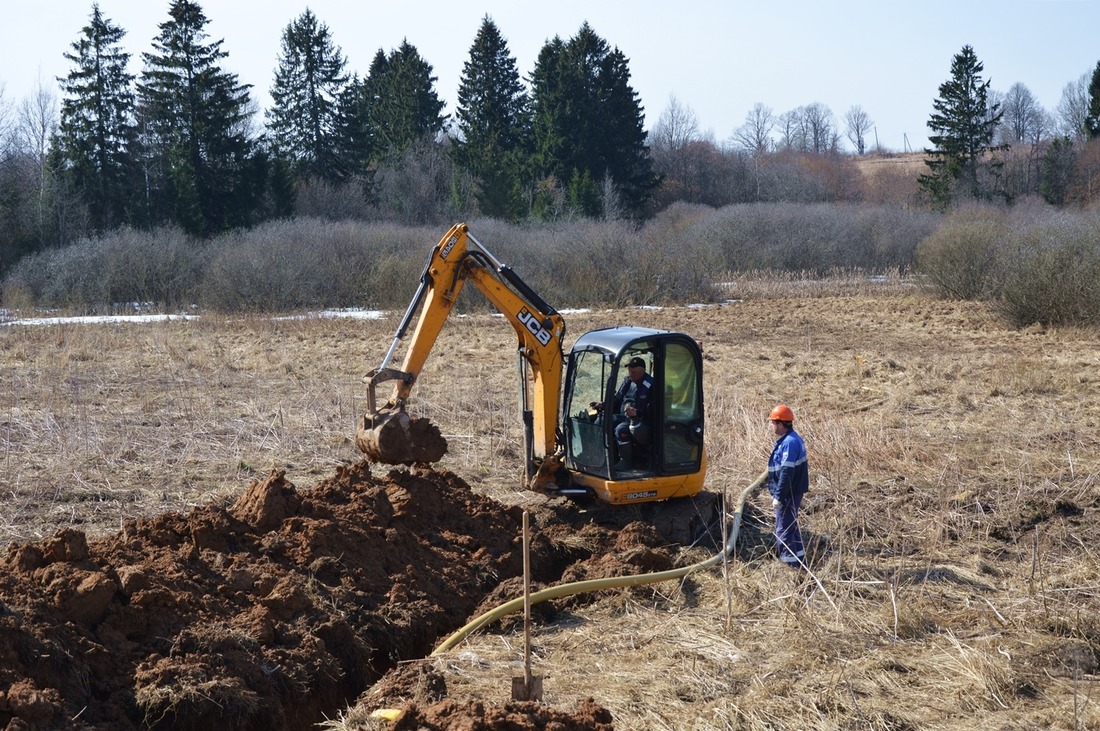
{"points": [[389, 435], [397, 438]]}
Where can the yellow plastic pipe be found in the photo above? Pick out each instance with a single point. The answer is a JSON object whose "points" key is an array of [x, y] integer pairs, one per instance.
{"points": [[614, 582]]}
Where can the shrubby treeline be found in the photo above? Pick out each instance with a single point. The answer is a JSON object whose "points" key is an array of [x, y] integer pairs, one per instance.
{"points": [[679, 256], [1034, 264]]}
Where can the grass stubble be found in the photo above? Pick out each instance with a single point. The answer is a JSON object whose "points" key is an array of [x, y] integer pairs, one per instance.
{"points": [[951, 522]]}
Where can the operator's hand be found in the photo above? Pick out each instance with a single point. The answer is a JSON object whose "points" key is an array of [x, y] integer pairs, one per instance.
{"points": [[630, 411], [775, 503], [595, 406]]}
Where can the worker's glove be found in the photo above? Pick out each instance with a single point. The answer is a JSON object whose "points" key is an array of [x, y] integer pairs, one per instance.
{"points": [[775, 503]]}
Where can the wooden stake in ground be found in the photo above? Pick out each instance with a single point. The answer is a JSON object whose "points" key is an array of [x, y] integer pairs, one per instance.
{"points": [[529, 687]]}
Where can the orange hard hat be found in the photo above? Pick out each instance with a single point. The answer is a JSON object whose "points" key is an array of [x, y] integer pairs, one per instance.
{"points": [[782, 412]]}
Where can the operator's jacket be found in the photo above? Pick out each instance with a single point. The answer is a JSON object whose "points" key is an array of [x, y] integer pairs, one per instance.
{"points": [[640, 395], [788, 470]]}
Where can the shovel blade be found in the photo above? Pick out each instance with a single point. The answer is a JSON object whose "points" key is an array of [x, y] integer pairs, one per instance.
{"points": [[524, 691]]}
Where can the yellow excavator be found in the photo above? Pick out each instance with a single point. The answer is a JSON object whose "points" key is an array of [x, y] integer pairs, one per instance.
{"points": [[584, 433]]}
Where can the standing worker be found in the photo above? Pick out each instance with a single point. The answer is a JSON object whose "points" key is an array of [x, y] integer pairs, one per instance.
{"points": [[788, 481]]}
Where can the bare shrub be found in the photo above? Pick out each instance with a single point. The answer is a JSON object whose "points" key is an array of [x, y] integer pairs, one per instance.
{"points": [[584, 263], [807, 178], [122, 269], [814, 238], [957, 260], [422, 186], [335, 202], [1050, 270], [308, 263]]}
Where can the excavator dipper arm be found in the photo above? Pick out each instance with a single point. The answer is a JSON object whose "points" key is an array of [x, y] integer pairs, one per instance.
{"points": [[387, 434]]}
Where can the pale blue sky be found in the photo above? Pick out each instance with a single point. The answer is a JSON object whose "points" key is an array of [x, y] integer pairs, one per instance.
{"points": [[717, 58]]}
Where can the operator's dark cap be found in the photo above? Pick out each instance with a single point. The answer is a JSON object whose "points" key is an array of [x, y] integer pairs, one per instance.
{"points": [[636, 363]]}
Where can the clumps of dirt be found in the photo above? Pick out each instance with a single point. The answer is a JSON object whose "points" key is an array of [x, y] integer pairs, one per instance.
{"points": [[514, 715], [280, 610], [1027, 514], [420, 692]]}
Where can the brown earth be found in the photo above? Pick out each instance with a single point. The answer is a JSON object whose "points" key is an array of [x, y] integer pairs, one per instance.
{"points": [[279, 611]]}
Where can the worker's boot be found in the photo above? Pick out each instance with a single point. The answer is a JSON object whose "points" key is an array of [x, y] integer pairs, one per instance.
{"points": [[626, 457]]}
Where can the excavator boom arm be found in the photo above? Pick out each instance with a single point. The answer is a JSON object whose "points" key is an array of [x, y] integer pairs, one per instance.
{"points": [[459, 258]]}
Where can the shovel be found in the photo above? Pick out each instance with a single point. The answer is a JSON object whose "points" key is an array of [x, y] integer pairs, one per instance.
{"points": [[528, 687]]}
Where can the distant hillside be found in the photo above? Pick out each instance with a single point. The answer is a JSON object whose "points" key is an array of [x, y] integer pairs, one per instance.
{"points": [[906, 162]]}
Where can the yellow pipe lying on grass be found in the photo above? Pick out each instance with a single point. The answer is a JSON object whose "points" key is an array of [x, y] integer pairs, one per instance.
{"points": [[614, 582]]}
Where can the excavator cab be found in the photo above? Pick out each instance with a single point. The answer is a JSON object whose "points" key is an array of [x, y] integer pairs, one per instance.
{"points": [[657, 452]]}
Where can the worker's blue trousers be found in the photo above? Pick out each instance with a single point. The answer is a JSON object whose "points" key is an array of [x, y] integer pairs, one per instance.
{"points": [[788, 537]]}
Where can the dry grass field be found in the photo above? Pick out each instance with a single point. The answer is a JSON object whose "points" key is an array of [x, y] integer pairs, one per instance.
{"points": [[951, 521]]}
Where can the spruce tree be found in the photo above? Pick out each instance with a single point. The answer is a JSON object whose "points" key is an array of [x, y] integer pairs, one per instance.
{"points": [[354, 143], [628, 162], [1092, 119], [198, 154], [402, 104], [493, 117], [588, 123], [303, 118], [1057, 170], [97, 122], [964, 124], [550, 113]]}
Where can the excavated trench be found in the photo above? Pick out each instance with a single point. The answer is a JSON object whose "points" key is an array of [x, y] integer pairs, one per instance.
{"points": [[282, 609]]}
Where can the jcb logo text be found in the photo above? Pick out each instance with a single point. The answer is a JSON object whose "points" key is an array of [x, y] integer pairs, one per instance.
{"points": [[533, 326]]}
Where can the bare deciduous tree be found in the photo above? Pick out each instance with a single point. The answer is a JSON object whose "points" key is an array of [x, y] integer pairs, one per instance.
{"points": [[37, 124], [755, 135], [1073, 108], [858, 123], [821, 130], [1024, 118], [792, 130], [5, 123], [676, 128]]}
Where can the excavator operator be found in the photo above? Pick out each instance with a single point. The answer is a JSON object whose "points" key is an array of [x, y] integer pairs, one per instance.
{"points": [[632, 408]]}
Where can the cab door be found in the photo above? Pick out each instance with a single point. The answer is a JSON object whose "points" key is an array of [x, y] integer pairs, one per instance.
{"points": [[586, 432], [680, 405]]}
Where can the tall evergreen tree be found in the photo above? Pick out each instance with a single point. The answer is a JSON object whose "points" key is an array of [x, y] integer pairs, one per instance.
{"points": [[352, 133], [1092, 119], [964, 124], [494, 122], [629, 165], [1057, 170], [551, 122], [199, 158], [308, 82], [402, 104], [97, 122], [588, 122], [358, 122]]}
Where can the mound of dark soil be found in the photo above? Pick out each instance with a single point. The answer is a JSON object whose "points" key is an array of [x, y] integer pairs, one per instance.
{"points": [[278, 611]]}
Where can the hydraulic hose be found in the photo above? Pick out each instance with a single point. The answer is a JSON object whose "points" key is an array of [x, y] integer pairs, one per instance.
{"points": [[614, 582]]}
